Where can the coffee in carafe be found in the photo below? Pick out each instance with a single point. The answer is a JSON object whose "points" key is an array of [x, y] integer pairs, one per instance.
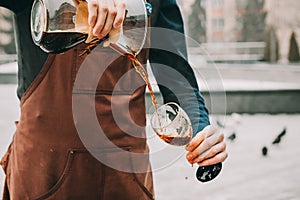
{"points": [[58, 25]]}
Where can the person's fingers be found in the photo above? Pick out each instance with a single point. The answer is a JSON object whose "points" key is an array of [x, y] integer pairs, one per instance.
{"points": [[221, 157], [121, 9], [196, 141], [216, 149], [111, 14], [93, 12], [200, 137], [101, 18], [104, 15], [204, 146]]}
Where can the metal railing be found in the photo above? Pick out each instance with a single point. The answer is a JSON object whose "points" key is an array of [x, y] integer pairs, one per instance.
{"points": [[230, 51]]}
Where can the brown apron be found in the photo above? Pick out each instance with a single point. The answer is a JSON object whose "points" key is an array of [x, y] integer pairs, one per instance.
{"points": [[47, 159]]}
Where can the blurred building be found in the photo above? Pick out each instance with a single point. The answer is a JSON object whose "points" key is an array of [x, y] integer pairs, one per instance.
{"points": [[221, 21], [215, 22], [225, 20]]}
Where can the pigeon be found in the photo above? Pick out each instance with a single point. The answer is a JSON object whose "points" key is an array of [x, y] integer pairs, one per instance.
{"points": [[232, 136], [220, 124], [283, 132], [278, 138], [264, 151]]}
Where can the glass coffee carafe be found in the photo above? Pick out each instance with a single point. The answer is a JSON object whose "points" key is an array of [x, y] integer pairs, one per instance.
{"points": [[58, 25]]}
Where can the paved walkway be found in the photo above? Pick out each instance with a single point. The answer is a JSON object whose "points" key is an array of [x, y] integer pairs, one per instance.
{"points": [[247, 175]]}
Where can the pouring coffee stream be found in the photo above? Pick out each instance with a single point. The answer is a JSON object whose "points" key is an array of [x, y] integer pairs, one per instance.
{"points": [[204, 173]]}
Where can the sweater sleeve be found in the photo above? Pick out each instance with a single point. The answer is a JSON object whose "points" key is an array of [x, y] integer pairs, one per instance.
{"points": [[169, 63], [16, 6]]}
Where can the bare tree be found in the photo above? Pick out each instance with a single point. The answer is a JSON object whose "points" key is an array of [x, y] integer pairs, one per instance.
{"points": [[253, 22], [197, 22], [294, 49]]}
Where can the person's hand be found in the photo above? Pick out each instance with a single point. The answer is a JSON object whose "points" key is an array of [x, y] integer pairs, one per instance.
{"points": [[105, 15], [207, 147]]}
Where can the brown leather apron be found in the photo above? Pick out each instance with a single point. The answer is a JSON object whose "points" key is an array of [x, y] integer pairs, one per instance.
{"points": [[47, 159]]}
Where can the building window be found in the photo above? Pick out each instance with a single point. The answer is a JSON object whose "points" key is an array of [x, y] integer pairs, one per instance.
{"points": [[218, 3], [218, 24]]}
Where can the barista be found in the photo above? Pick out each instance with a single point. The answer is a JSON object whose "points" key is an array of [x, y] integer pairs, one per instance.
{"points": [[46, 159]]}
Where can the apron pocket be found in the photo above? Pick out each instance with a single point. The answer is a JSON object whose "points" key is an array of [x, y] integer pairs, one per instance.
{"points": [[84, 177], [120, 180], [79, 179]]}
